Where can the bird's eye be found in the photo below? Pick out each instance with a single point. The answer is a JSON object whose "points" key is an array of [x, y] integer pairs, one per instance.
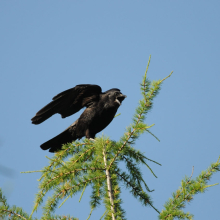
{"points": [[116, 93]]}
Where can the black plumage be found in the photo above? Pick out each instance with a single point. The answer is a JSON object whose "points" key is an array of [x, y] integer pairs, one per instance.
{"points": [[101, 108]]}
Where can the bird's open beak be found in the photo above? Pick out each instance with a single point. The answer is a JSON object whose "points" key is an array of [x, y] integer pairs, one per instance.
{"points": [[120, 98]]}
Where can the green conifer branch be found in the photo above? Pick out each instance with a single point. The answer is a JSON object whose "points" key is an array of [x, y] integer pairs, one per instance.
{"points": [[64, 191], [153, 135], [97, 193], [7, 212], [65, 200], [55, 175], [90, 214], [149, 92], [103, 214], [136, 189], [189, 188], [135, 172], [82, 193], [58, 217], [117, 115]]}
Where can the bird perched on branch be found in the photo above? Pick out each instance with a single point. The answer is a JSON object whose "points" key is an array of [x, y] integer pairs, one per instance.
{"points": [[101, 108]]}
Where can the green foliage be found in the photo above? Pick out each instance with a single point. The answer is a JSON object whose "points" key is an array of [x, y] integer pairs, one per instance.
{"points": [[96, 164], [189, 188], [173, 207], [10, 213]]}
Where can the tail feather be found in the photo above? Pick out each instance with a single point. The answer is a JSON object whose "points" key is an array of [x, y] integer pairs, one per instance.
{"points": [[55, 144], [67, 136]]}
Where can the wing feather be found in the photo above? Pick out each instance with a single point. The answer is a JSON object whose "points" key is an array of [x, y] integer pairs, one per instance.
{"points": [[69, 102]]}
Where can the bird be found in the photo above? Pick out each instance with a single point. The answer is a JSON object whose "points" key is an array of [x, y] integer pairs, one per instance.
{"points": [[100, 109]]}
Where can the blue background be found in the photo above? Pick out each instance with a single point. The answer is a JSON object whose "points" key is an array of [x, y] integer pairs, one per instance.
{"points": [[50, 46]]}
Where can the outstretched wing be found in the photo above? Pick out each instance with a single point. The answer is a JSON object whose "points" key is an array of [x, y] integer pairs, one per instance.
{"points": [[69, 102]]}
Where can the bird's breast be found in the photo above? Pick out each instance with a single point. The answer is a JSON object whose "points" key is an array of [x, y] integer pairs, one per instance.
{"points": [[102, 118]]}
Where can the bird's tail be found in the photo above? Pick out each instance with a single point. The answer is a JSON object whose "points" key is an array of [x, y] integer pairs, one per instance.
{"points": [[55, 144]]}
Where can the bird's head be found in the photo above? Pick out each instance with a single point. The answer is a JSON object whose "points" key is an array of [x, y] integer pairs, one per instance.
{"points": [[116, 96]]}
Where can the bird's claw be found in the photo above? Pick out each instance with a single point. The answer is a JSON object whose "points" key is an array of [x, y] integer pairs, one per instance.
{"points": [[91, 139]]}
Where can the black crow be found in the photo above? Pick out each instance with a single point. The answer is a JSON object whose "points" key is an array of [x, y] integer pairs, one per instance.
{"points": [[101, 108]]}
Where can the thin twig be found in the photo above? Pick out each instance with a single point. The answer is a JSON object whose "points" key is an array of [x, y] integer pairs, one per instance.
{"points": [[13, 213], [191, 174]]}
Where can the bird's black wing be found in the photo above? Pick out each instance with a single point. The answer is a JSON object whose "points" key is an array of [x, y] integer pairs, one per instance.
{"points": [[69, 102]]}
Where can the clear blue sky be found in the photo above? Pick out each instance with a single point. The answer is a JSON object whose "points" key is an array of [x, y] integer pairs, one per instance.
{"points": [[50, 46]]}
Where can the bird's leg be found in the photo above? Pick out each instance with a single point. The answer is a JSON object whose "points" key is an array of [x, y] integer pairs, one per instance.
{"points": [[89, 135]]}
